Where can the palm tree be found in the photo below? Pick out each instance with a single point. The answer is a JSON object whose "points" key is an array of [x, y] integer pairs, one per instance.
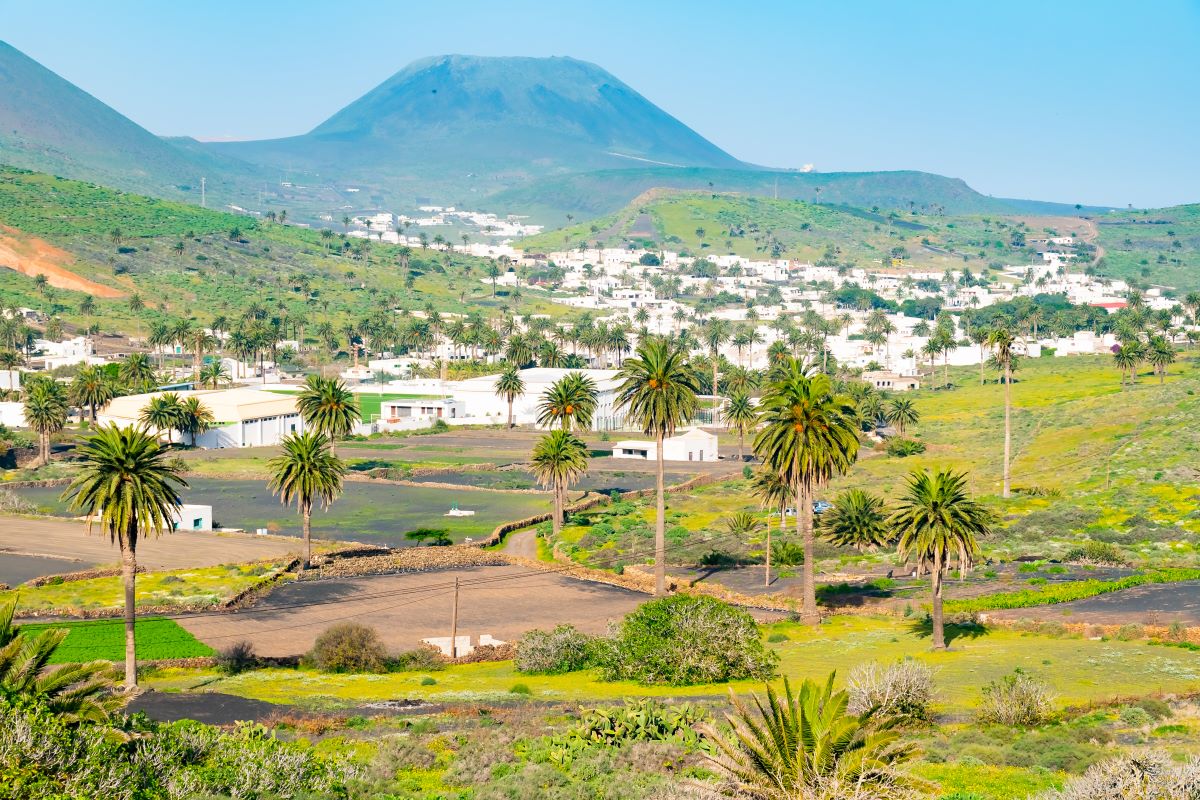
{"points": [[570, 403], [510, 386], [773, 492], [658, 392], [558, 460], [744, 525], [901, 412], [1162, 355], [136, 371], [935, 518], [307, 471], [164, 413], [10, 360], [92, 388], [328, 407], [214, 375], [809, 434], [858, 519], [716, 333], [195, 418], [1001, 340], [74, 692], [46, 412], [740, 416], [129, 487], [805, 745], [1126, 359]]}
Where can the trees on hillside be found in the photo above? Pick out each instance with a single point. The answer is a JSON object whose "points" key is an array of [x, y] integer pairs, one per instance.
{"points": [[658, 391], [130, 489]]}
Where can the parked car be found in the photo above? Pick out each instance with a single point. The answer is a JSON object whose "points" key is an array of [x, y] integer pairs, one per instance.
{"points": [[819, 507]]}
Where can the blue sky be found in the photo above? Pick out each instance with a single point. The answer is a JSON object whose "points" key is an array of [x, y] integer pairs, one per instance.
{"points": [[1091, 102]]}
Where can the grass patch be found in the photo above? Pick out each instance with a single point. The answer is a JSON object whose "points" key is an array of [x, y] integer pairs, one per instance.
{"points": [[105, 640], [1051, 594]]}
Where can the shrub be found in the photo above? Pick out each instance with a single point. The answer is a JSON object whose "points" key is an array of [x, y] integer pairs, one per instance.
{"points": [[642, 721], [520, 688], [787, 554], [1102, 554], [776, 638], [900, 691], [348, 647], [236, 658], [1017, 699], [683, 640], [419, 659], [12, 503], [1157, 709], [903, 448], [1134, 716], [1130, 632], [1177, 632], [428, 681], [1138, 776], [564, 649]]}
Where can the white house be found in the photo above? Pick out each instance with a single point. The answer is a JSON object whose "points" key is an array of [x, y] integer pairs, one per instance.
{"points": [[191, 517], [243, 417], [694, 444], [479, 399], [12, 414]]}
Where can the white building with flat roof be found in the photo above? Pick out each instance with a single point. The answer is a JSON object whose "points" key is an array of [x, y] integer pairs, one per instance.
{"points": [[479, 399], [242, 417], [693, 444]]}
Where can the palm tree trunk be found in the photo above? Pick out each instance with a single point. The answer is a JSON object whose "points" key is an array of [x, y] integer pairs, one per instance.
{"points": [[660, 525], [558, 510], [804, 527], [44, 441], [306, 510], [939, 632], [982, 361], [767, 570], [741, 445], [1007, 426], [510, 402], [129, 578]]}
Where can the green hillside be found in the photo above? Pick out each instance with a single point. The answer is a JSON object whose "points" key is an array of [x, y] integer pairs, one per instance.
{"points": [[758, 227], [51, 125], [1158, 245], [595, 194], [227, 262]]}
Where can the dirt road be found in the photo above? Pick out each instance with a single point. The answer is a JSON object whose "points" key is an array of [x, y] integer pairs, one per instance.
{"points": [[65, 546], [502, 601]]}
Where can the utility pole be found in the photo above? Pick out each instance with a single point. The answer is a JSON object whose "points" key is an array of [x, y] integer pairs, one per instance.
{"points": [[454, 623], [203, 202]]}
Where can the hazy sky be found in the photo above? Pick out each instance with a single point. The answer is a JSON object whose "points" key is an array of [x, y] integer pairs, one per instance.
{"points": [[1091, 102]]}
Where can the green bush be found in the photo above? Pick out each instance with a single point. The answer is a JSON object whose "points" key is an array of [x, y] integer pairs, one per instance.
{"points": [[903, 448], [642, 721], [1102, 554], [564, 649], [684, 640], [1134, 716], [520, 688], [419, 659], [348, 647]]}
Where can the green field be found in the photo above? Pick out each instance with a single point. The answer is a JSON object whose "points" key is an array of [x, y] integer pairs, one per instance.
{"points": [[1160, 245], [1081, 671], [185, 588], [105, 640]]}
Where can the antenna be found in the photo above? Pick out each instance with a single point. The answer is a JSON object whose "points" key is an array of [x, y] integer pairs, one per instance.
{"points": [[203, 202]]}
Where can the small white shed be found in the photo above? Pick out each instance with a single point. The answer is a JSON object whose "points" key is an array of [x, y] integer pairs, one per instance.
{"points": [[193, 518]]}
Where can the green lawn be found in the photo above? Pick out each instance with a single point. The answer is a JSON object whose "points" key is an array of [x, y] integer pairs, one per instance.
{"points": [[105, 640], [1081, 671]]}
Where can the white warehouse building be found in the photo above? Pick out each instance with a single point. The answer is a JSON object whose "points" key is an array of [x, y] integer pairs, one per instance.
{"points": [[243, 417]]}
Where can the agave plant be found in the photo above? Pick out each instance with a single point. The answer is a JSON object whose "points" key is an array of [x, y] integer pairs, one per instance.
{"points": [[805, 745], [76, 692]]}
